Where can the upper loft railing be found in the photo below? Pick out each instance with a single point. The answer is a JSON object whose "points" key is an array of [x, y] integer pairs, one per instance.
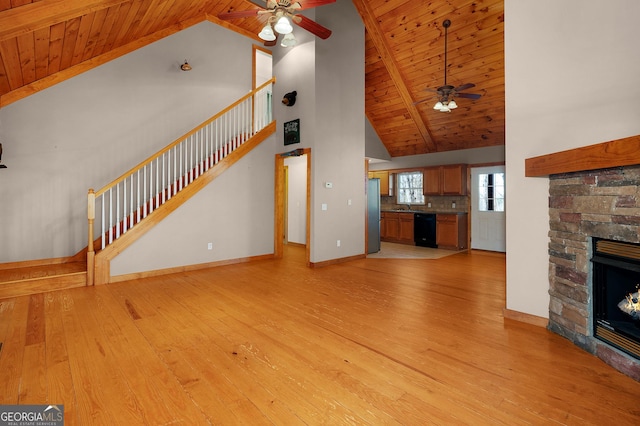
{"points": [[126, 201]]}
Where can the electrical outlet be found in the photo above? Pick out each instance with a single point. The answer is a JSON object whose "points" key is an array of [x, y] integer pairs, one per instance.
{"points": [[429, 205], [210, 246], [338, 243], [453, 205]]}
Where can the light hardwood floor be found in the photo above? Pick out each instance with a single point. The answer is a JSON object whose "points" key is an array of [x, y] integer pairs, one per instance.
{"points": [[372, 341]]}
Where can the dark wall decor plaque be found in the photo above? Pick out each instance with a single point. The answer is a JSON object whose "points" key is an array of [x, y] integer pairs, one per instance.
{"points": [[292, 132]]}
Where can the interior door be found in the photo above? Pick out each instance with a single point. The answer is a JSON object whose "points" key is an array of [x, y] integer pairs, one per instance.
{"points": [[488, 220]]}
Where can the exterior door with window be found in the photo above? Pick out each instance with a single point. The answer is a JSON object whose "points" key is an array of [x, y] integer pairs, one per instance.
{"points": [[488, 222]]}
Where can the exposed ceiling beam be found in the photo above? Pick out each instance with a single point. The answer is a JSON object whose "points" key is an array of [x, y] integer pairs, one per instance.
{"points": [[379, 41], [33, 16]]}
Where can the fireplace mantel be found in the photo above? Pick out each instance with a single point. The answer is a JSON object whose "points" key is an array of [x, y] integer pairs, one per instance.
{"points": [[616, 153]]}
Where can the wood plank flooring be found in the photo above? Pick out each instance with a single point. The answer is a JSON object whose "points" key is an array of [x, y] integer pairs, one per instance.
{"points": [[372, 341]]}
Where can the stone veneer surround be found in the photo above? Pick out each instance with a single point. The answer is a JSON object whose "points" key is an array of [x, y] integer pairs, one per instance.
{"points": [[600, 203]]}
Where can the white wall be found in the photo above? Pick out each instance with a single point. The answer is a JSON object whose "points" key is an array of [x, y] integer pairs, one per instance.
{"points": [[86, 131], [329, 78], [297, 198], [572, 72]]}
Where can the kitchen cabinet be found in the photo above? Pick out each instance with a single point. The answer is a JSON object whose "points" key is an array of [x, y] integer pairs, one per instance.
{"points": [[383, 175], [406, 227], [397, 227], [445, 180], [451, 231]]}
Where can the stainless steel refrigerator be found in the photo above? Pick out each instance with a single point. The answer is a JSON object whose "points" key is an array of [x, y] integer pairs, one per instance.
{"points": [[373, 215]]}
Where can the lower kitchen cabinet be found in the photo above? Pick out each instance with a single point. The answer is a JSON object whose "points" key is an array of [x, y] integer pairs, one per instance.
{"points": [[451, 231], [397, 227]]}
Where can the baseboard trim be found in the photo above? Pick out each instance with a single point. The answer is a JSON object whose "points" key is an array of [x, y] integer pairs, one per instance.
{"points": [[187, 268], [336, 261], [526, 318]]}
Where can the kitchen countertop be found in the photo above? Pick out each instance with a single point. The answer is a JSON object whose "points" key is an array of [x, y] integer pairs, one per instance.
{"points": [[421, 211]]}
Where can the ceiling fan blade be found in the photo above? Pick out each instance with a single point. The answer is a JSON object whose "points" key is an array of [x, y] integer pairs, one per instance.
{"points": [[308, 4], [464, 87], [312, 26], [236, 14], [468, 95]]}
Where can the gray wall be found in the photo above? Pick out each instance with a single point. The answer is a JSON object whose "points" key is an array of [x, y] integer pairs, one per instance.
{"points": [[234, 212], [86, 131], [329, 78]]}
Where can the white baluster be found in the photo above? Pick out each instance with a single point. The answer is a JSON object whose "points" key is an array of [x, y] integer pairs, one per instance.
{"points": [[103, 230]]}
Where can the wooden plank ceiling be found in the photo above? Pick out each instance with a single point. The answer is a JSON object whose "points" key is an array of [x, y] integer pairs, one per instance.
{"points": [[43, 42]]}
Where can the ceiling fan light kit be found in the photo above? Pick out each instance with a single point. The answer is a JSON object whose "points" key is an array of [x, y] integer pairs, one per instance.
{"points": [[283, 26], [267, 33], [446, 93], [281, 15], [289, 40]]}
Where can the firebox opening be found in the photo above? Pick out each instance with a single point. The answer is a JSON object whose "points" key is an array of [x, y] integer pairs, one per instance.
{"points": [[616, 290]]}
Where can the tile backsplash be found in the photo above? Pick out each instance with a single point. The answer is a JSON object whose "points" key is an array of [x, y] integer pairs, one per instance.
{"points": [[439, 204]]}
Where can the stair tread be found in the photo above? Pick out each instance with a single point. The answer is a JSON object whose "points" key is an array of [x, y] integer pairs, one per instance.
{"points": [[41, 271]]}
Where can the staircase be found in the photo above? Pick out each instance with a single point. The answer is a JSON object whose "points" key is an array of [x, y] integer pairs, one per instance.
{"points": [[125, 209]]}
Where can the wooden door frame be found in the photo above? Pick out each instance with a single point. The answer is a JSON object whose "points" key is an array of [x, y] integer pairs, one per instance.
{"points": [[280, 196]]}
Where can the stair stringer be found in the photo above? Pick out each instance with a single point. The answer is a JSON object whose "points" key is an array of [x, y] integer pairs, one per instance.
{"points": [[102, 259]]}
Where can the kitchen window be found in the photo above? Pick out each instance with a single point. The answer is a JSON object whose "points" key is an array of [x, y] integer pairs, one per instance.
{"points": [[409, 188], [491, 192]]}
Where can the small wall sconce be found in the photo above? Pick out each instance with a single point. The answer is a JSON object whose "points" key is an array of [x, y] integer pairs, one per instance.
{"points": [[2, 166], [185, 66], [290, 98]]}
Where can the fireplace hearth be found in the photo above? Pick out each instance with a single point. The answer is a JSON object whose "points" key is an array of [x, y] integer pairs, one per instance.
{"points": [[616, 308]]}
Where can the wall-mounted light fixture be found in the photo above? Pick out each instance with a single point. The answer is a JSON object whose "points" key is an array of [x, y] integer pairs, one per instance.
{"points": [[185, 66], [2, 166]]}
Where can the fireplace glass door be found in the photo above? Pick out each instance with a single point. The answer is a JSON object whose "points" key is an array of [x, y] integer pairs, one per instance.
{"points": [[616, 293]]}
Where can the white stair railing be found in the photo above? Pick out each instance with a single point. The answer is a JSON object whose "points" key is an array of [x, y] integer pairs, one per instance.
{"points": [[126, 201]]}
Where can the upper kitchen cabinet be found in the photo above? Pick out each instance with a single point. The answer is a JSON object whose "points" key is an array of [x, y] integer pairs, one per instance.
{"points": [[446, 180], [383, 175]]}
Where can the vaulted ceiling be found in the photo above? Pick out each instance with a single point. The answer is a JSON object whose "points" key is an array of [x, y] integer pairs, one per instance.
{"points": [[43, 42]]}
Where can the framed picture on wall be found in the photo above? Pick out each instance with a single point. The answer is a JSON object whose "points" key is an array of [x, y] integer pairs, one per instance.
{"points": [[292, 132]]}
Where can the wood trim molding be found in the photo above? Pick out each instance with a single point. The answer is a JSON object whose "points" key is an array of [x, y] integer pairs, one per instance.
{"points": [[616, 153], [45, 284], [187, 268], [526, 318], [337, 261]]}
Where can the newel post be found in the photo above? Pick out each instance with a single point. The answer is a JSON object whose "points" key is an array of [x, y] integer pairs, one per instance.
{"points": [[91, 214]]}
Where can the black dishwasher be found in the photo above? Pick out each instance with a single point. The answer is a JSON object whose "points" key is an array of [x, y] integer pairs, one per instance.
{"points": [[424, 229]]}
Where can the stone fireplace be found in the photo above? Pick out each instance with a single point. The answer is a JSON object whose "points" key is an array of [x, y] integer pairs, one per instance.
{"points": [[585, 206]]}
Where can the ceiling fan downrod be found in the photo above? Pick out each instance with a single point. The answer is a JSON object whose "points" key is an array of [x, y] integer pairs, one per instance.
{"points": [[446, 24]]}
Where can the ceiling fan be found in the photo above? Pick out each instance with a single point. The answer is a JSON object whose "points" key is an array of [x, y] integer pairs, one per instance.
{"points": [[280, 14], [446, 93]]}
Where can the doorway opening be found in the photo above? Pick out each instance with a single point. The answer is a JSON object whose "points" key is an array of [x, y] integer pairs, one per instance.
{"points": [[293, 201]]}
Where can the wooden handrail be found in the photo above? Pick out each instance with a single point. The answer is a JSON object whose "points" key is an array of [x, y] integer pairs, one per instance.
{"points": [[183, 137]]}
